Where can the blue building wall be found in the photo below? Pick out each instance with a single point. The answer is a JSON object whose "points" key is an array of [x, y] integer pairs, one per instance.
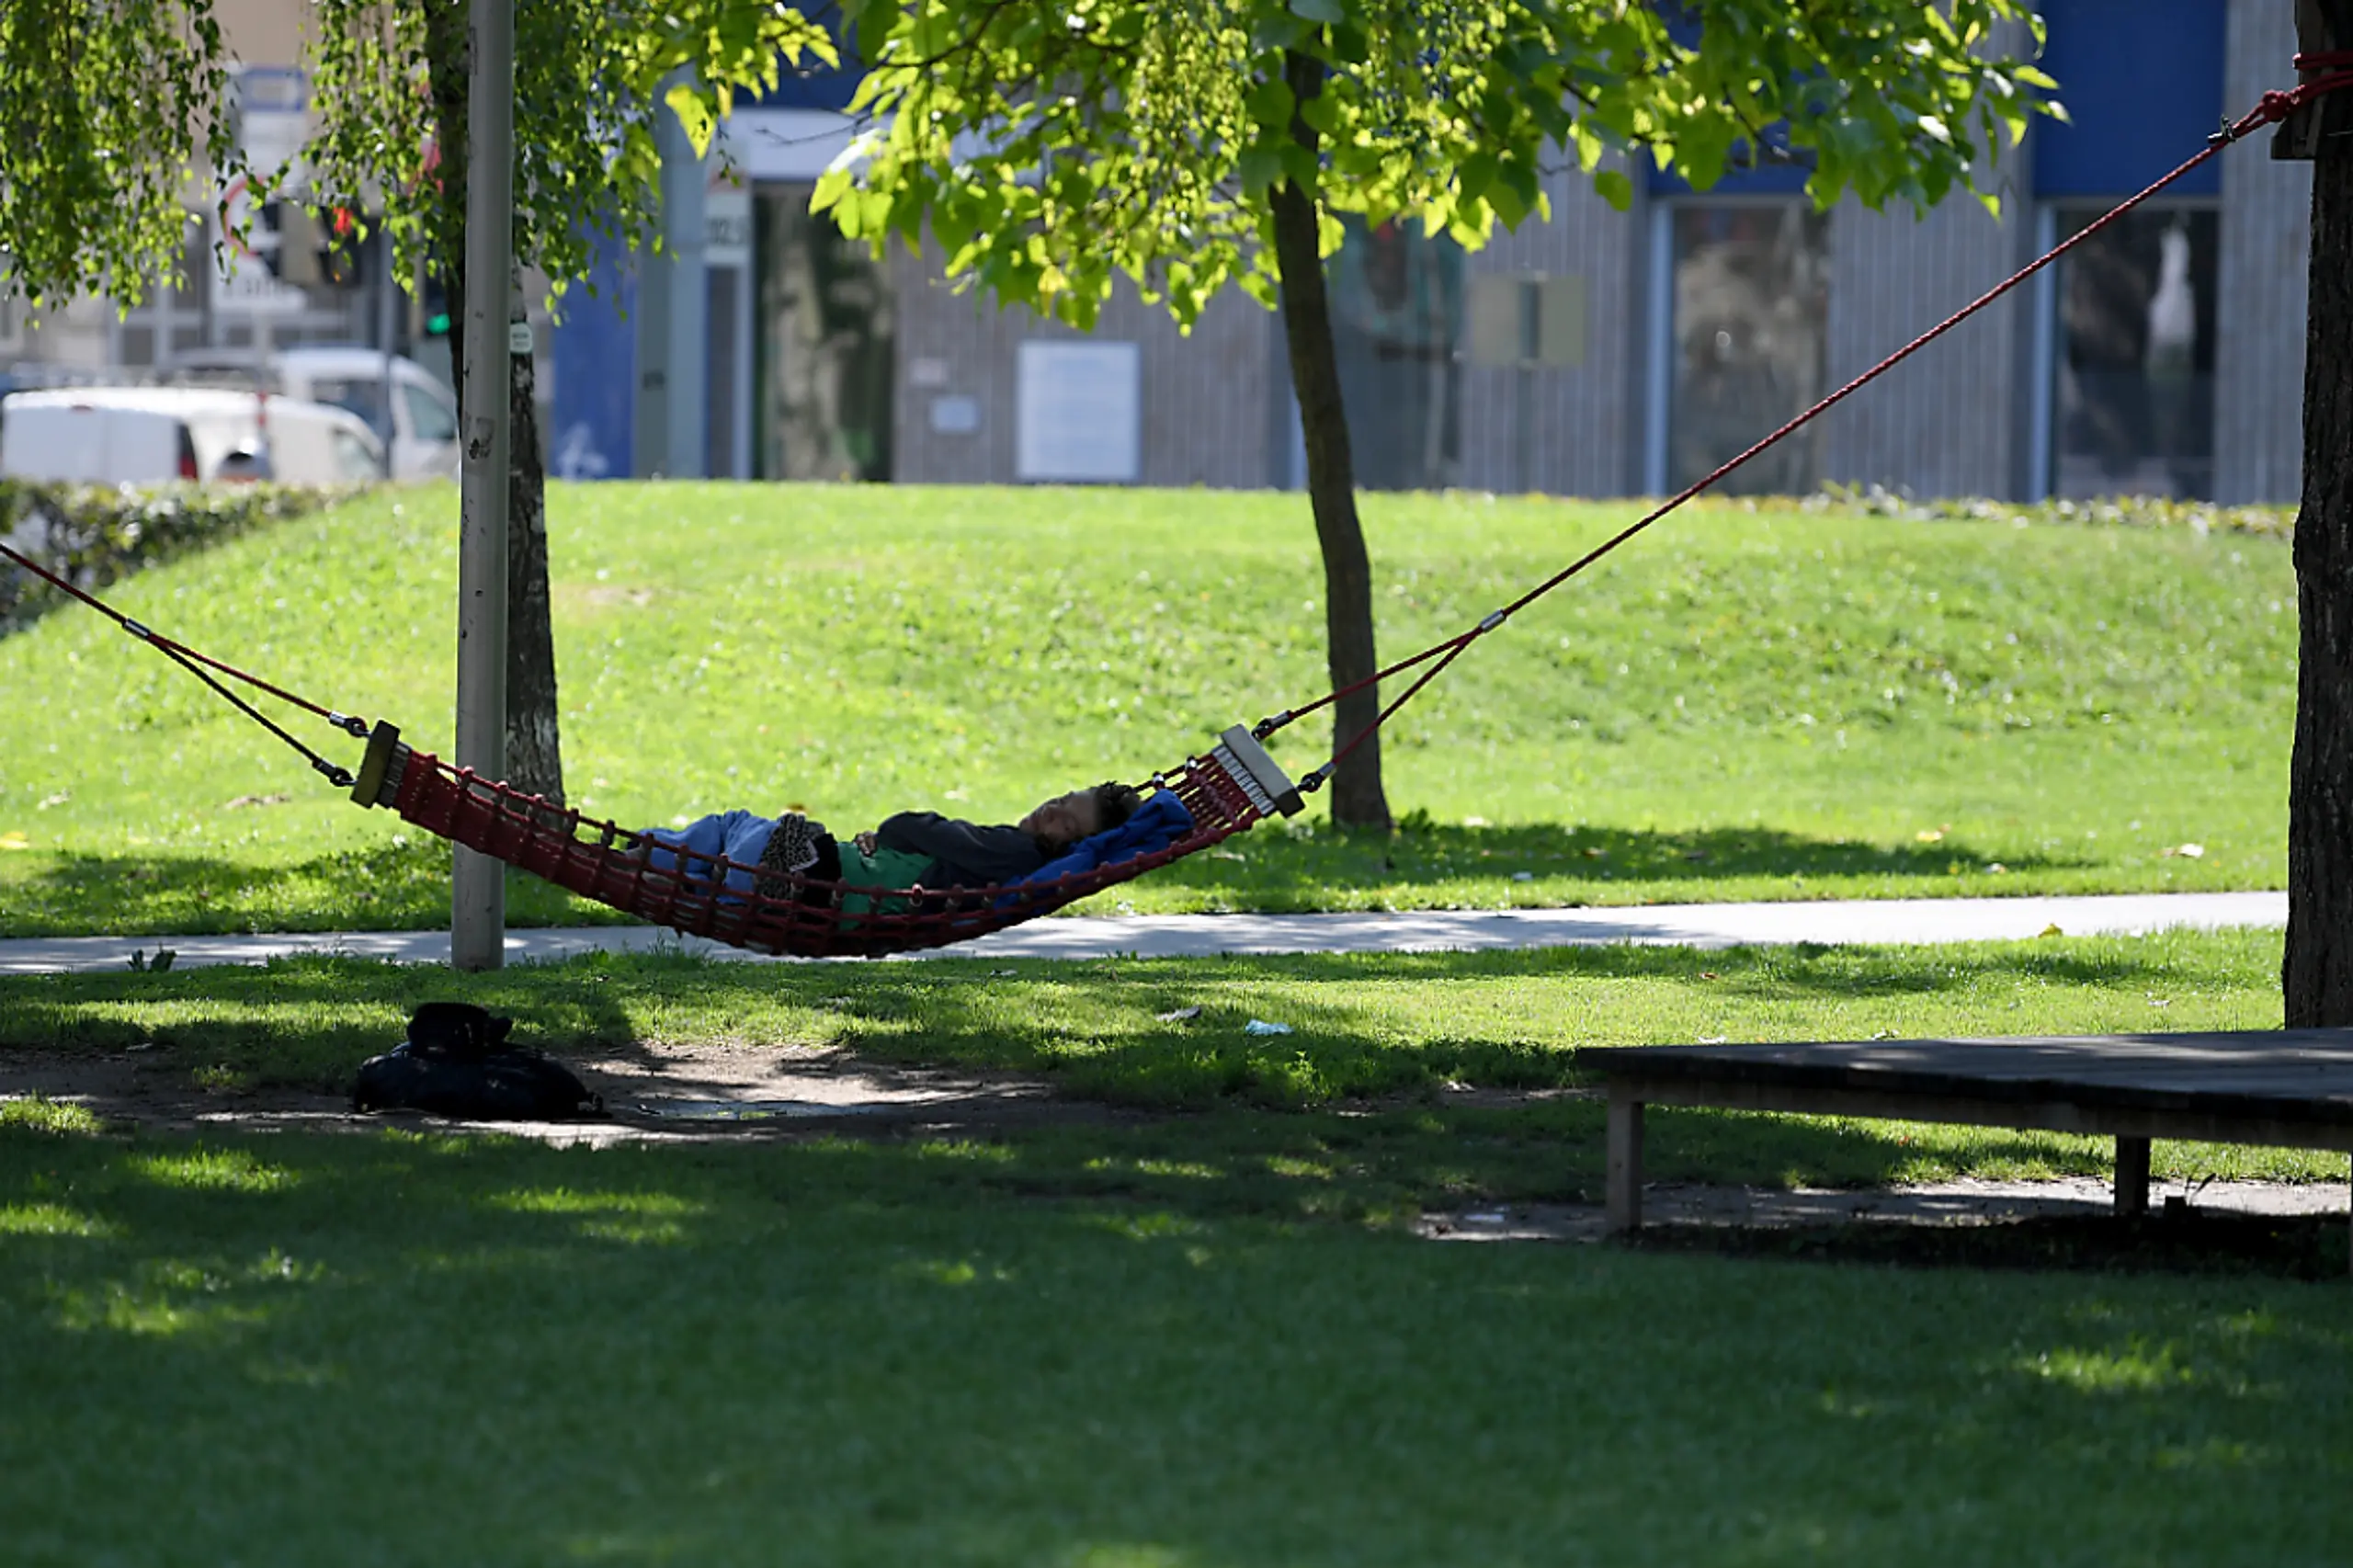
{"points": [[2143, 83], [593, 363]]}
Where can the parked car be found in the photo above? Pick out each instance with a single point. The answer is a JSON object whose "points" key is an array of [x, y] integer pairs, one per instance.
{"points": [[423, 426], [149, 434]]}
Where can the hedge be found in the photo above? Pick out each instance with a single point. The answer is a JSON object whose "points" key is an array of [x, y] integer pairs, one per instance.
{"points": [[93, 535]]}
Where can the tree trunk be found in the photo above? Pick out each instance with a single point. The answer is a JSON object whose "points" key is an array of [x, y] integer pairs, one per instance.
{"points": [[534, 755], [1358, 799], [2317, 976]]}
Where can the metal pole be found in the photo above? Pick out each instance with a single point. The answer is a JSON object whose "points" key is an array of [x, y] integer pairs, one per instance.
{"points": [[685, 241], [478, 885], [384, 333]]}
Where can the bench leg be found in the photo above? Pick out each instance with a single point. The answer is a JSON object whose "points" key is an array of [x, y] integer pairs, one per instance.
{"points": [[2131, 1177], [1625, 1162]]}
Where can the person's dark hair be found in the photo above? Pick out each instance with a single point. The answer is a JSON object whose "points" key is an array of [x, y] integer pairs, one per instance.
{"points": [[1114, 804]]}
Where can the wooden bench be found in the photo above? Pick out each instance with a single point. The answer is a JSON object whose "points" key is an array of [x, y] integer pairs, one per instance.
{"points": [[2290, 1088]]}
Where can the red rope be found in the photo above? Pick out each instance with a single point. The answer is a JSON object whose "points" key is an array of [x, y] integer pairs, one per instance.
{"points": [[2273, 108]]}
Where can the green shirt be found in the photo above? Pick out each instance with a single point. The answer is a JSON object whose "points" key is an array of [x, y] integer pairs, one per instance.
{"points": [[884, 869]]}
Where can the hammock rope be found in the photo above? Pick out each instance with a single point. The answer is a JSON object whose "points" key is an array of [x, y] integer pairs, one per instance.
{"points": [[2273, 108], [1226, 791]]}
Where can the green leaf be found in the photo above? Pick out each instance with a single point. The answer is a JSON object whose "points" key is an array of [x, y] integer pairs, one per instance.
{"points": [[1613, 187], [1259, 166], [1270, 103], [694, 116], [1331, 13]]}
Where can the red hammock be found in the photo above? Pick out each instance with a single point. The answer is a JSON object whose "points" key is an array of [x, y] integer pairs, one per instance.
{"points": [[1233, 787]]}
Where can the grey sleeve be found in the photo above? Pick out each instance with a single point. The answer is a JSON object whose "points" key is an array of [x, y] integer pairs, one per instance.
{"points": [[991, 854]]}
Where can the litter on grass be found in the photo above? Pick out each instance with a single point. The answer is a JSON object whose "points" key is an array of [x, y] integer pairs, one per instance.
{"points": [[1260, 1026], [1179, 1015]]}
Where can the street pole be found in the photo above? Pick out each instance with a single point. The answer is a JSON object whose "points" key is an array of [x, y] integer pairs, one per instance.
{"points": [[384, 333], [478, 884], [685, 242]]}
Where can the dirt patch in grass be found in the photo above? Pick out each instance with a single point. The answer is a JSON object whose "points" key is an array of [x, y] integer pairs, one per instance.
{"points": [[675, 1092]]}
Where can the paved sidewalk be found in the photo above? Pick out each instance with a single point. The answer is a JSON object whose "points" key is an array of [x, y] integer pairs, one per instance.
{"points": [[1165, 936]]}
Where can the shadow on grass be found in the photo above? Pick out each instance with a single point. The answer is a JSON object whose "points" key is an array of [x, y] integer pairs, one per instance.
{"points": [[390, 887], [376, 886], [1067, 1348], [1377, 1043], [2301, 1246], [1277, 870], [1167, 1033], [1170, 1034]]}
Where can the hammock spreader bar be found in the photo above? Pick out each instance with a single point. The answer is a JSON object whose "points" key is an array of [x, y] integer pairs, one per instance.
{"points": [[1227, 790]]}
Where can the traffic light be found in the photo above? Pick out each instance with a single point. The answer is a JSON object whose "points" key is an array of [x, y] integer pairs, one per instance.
{"points": [[340, 251], [433, 307], [301, 249]]}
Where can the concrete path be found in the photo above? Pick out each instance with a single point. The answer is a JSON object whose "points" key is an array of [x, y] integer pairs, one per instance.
{"points": [[1165, 936]]}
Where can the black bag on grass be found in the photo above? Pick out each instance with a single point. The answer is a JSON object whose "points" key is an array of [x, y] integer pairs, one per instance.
{"points": [[456, 1063]]}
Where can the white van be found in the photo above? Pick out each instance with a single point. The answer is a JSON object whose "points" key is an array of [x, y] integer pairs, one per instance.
{"points": [[425, 411], [151, 435]]}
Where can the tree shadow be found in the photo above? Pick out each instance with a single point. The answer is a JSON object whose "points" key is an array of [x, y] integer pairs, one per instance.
{"points": [[386, 886], [1198, 1342], [1160, 1033], [381, 886], [1279, 870]]}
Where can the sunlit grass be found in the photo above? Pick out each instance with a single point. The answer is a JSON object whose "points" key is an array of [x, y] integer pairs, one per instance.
{"points": [[1772, 704], [1083, 1348]]}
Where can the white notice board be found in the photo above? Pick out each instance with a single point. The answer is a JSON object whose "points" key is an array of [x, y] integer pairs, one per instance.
{"points": [[1079, 413]]}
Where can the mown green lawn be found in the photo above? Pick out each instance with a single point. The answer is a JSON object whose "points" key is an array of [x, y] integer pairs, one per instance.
{"points": [[1773, 704], [1086, 1346], [1383, 1032], [1192, 1330]]}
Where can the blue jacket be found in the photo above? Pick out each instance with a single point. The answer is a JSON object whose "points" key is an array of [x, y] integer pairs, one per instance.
{"points": [[738, 835]]}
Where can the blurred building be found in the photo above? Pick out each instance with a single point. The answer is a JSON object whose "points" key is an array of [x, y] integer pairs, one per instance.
{"points": [[289, 281], [1599, 353]]}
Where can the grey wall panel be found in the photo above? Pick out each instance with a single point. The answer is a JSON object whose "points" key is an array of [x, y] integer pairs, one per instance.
{"points": [[1940, 424], [1206, 397], [1582, 426], [2266, 242]]}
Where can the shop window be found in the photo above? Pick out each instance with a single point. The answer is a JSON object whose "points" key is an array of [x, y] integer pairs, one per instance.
{"points": [[2132, 410], [1747, 342], [1397, 316], [824, 338]]}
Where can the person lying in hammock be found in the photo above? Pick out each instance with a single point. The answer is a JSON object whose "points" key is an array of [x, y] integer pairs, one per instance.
{"points": [[911, 849]]}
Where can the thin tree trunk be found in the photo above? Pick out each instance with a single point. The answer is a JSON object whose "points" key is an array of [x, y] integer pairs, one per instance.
{"points": [[1358, 799], [2317, 975], [534, 757], [534, 753]]}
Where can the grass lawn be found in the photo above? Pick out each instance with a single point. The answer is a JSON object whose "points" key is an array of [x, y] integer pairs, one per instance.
{"points": [[1369, 1031], [1775, 704], [1193, 1333], [1073, 1347]]}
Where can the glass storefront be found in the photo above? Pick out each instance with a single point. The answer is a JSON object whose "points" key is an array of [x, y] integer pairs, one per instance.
{"points": [[1750, 341], [1397, 316], [824, 344], [2133, 407]]}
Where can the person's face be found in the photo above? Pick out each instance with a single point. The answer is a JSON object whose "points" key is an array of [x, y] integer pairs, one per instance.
{"points": [[1066, 819]]}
